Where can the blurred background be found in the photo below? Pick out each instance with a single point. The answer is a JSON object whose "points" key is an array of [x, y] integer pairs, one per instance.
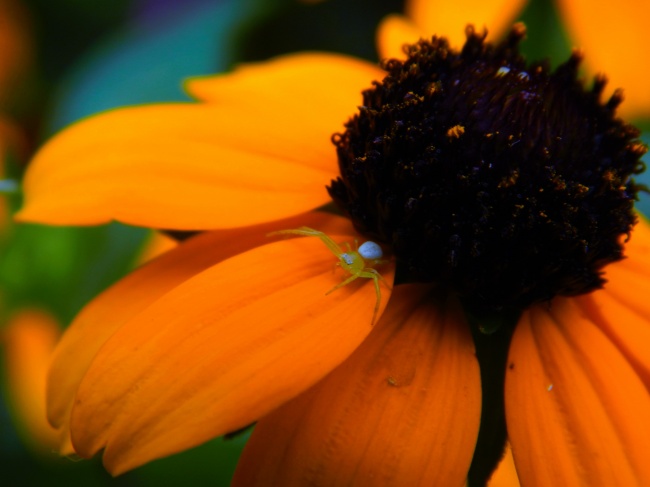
{"points": [[62, 60]]}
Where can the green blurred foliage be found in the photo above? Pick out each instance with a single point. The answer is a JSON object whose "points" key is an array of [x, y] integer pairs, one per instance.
{"points": [[65, 28]]}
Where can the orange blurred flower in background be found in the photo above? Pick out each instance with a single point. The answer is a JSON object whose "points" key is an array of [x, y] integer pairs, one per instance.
{"points": [[28, 340]]}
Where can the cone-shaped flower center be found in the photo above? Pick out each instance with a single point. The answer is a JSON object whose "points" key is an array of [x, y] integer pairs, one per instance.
{"points": [[502, 179]]}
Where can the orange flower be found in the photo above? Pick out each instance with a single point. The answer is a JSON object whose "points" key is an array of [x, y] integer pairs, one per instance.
{"points": [[613, 35], [233, 327], [28, 341]]}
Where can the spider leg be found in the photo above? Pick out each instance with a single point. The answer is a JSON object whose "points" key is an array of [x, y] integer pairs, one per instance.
{"points": [[381, 278], [310, 232], [375, 276], [378, 302], [304, 231], [331, 244], [371, 273], [344, 283]]}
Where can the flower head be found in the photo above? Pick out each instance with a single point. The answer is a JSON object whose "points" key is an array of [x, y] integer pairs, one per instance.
{"points": [[481, 209], [481, 170]]}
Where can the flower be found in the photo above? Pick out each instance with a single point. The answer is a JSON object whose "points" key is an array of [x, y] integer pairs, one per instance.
{"points": [[28, 340], [232, 327], [599, 28]]}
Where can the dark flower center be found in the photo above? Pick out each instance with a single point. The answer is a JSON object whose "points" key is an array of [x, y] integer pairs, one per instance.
{"points": [[506, 181]]}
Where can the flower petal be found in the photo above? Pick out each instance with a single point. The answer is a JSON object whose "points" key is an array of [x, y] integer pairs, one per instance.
{"points": [[577, 412], [637, 249], [447, 19], [393, 32], [299, 86], [28, 341], [627, 327], [622, 308], [109, 311], [221, 350], [258, 150], [404, 409], [180, 166], [615, 39]]}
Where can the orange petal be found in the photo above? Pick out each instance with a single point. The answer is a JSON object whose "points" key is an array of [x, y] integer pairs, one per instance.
{"points": [[622, 308], [628, 328], [258, 150], [221, 350], [180, 166], [28, 342], [109, 311], [577, 411], [404, 409], [393, 32], [615, 40], [630, 286], [299, 87], [637, 249], [449, 19]]}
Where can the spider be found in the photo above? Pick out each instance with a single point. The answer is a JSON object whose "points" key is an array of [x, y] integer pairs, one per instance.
{"points": [[357, 263]]}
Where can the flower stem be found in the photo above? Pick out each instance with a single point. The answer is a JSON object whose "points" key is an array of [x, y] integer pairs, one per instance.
{"points": [[492, 354]]}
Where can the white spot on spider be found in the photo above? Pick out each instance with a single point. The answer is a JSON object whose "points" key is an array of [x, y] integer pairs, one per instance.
{"points": [[502, 71], [349, 259], [549, 388], [370, 250]]}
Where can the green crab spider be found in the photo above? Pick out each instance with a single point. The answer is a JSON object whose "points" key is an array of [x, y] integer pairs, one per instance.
{"points": [[357, 263]]}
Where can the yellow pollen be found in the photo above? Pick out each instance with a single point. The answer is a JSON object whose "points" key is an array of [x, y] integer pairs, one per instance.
{"points": [[456, 131]]}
